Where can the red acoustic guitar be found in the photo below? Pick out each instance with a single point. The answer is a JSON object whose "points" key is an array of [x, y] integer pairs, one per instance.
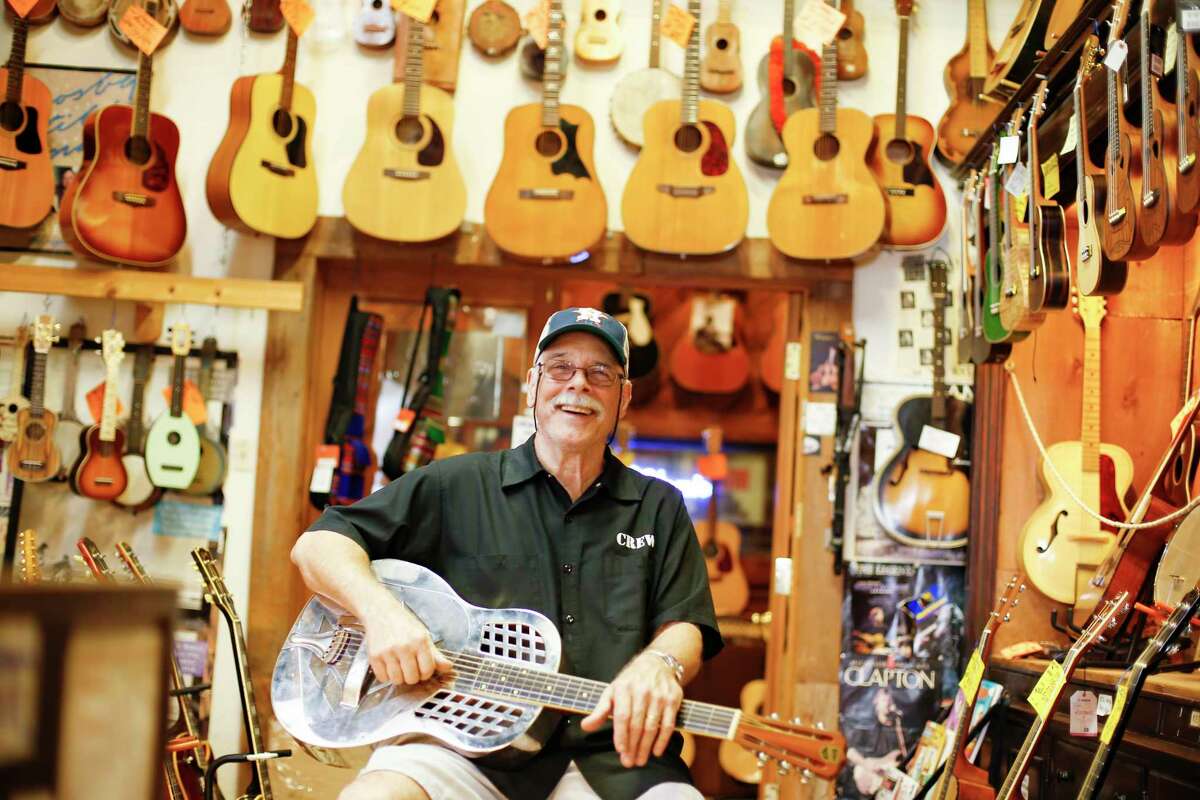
{"points": [[26, 177], [125, 205], [721, 541], [710, 359], [99, 474]]}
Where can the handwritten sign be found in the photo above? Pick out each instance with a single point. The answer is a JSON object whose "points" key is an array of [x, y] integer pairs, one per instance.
{"points": [[537, 22], [299, 15], [1114, 716], [142, 29], [1046, 691], [95, 402], [972, 677], [677, 25], [816, 23], [420, 10], [1050, 182]]}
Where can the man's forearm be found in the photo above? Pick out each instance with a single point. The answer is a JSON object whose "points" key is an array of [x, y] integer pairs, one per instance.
{"points": [[682, 640], [334, 566]]}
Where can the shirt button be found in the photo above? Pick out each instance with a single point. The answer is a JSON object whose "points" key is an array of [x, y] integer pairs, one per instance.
{"points": [[568, 569], [569, 619]]}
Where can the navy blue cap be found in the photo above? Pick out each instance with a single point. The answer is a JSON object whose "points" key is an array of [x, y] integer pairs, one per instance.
{"points": [[588, 320]]}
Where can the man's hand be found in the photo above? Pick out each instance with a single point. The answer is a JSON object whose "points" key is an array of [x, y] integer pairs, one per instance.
{"points": [[400, 649], [643, 702]]}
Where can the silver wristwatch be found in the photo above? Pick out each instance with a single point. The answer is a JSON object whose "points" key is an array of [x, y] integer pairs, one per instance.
{"points": [[671, 661]]}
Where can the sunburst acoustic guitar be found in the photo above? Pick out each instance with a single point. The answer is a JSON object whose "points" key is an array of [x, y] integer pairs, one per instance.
{"points": [[26, 176], [100, 473]]}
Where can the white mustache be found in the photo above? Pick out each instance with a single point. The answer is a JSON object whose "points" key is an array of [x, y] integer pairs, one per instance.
{"points": [[581, 400]]}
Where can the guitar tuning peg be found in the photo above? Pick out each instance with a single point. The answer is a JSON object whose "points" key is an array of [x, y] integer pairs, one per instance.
{"points": [[762, 758], [773, 715], [784, 768], [805, 776], [796, 721], [819, 725]]}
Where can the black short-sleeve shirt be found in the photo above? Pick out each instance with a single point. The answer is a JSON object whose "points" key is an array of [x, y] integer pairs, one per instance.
{"points": [[608, 569]]}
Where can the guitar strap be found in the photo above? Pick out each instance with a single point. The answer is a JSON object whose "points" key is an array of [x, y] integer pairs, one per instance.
{"points": [[418, 426]]}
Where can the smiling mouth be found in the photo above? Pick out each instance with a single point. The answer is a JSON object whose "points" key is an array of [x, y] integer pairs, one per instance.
{"points": [[578, 411]]}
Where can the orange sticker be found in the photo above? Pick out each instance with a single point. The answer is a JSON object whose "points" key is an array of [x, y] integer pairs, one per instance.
{"points": [[23, 7], [193, 402], [677, 25], [142, 29], [420, 10], [299, 14], [404, 420], [95, 402], [713, 466], [537, 22]]}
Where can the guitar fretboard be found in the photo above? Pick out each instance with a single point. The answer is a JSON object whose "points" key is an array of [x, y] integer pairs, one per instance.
{"points": [[902, 84], [655, 32], [1089, 424], [1182, 85], [414, 67], [829, 85], [552, 74], [289, 70], [977, 41], [691, 70], [177, 374], [108, 409], [937, 405], [1147, 80], [16, 58], [37, 388], [145, 75], [725, 11], [135, 428]]}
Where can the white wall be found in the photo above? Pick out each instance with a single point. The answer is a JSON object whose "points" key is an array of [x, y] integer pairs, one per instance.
{"points": [[193, 77]]}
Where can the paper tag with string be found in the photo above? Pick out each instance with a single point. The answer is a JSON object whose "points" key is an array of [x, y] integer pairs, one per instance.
{"points": [[142, 29], [95, 402], [1050, 181], [537, 22], [677, 25], [322, 475], [22, 7], [299, 15], [1072, 137], [1045, 693], [193, 402]]}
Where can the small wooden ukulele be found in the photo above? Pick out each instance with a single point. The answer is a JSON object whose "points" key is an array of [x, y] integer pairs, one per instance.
{"points": [[173, 444], [26, 175], [851, 44], [721, 69], [599, 39], [263, 16], [375, 24], [205, 17], [1187, 125], [970, 113], [33, 455], [99, 473], [1049, 282]]}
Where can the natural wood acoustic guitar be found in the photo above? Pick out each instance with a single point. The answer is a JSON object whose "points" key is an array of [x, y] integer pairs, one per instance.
{"points": [[851, 44], [99, 473], [970, 113], [205, 17], [405, 184], [787, 81], [140, 494], [637, 91], [546, 203], [899, 158], [721, 69], [710, 358], [173, 443], [443, 43], [827, 206], [26, 175], [1187, 125], [262, 177], [33, 456], [720, 540], [686, 195], [598, 39]]}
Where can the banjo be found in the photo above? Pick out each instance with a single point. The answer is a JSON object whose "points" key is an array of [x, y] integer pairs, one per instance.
{"points": [[499, 701], [642, 88]]}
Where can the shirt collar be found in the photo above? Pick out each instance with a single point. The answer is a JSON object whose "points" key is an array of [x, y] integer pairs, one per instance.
{"points": [[521, 463]]}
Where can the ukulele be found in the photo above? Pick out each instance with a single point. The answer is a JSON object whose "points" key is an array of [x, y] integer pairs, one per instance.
{"points": [[1049, 282], [262, 177], [15, 401], [737, 761], [923, 498], [637, 91], [633, 311], [994, 330], [686, 195], [546, 203], [94, 560], [263, 16], [1015, 311], [827, 206], [1064, 13], [721, 541], [1059, 540], [721, 69], [711, 359], [1020, 52], [405, 184], [205, 17], [851, 44], [33, 456], [785, 89], [970, 113], [599, 38], [375, 24], [1049, 689], [183, 769], [85, 13], [99, 473], [961, 778], [1180, 476], [29, 569], [173, 443], [916, 207], [125, 205], [1094, 271], [1187, 126], [218, 594], [166, 12], [69, 429], [1119, 235], [26, 175], [140, 494], [494, 27], [210, 474]]}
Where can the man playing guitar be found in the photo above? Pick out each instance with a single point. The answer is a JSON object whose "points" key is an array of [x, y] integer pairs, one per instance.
{"points": [[558, 525]]}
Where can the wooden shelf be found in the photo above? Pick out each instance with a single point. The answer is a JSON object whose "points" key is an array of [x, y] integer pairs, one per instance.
{"points": [[153, 287]]}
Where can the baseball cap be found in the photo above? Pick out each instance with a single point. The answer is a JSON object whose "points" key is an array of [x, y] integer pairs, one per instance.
{"points": [[588, 320]]}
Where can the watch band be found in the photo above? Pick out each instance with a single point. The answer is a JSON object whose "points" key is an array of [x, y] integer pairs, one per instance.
{"points": [[671, 661]]}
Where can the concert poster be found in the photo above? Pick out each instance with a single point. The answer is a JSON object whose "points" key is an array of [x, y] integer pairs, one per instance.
{"points": [[902, 630], [822, 363]]}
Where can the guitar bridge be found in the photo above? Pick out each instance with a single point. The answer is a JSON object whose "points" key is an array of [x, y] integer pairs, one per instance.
{"points": [[1150, 198], [935, 524], [546, 194], [825, 199], [899, 191], [1186, 163], [407, 174], [32, 464], [685, 191], [1116, 216], [133, 199], [271, 166], [13, 164]]}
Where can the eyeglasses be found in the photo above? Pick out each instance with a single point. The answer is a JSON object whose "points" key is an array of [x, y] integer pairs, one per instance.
{"points": [[599, 375]]}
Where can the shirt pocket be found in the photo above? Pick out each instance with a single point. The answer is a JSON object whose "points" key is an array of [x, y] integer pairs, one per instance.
{"points": [[626, 587], [499, 580]]}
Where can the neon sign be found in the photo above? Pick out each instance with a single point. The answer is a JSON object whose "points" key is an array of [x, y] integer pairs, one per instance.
{"points": [[693, 487]]}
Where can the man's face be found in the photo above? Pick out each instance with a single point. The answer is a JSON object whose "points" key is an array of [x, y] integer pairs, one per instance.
{"points": [[576, 413]]}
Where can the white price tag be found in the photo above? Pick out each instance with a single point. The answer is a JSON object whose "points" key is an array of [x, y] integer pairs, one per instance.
{"points": [[1104, 705], [936, 440], [816, 23], [1115, 57], [322, 476], [1083, 714], [783, 576], [820, 419], [1189, 19], [792, 353], [1171, 48], [1072, 136], [522, 429], [1010, 149], [1018, 180]]}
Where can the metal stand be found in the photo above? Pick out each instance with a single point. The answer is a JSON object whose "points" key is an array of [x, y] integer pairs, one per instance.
{"points": [[210, 775]]}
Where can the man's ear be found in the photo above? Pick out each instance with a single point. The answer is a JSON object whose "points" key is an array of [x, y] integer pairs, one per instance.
{"points": [[626, 397], [531, 387]]}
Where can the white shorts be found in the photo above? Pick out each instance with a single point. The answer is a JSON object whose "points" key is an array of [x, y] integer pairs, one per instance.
{"points": [[446, 775]]}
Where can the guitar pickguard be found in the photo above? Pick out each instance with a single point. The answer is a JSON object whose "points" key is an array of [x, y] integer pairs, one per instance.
{"points": [[569, 163], [295, 148], [157, 176], [715, 160], [28, 140], [917, 171], [433, 153]]}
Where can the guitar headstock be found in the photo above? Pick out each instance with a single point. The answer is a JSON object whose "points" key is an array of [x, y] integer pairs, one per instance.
{"points": [[1178, 621], [181, 339], [1090, 309], [1088, 57], [1038, 106], [214, 583], [95, 560], [1119, 16], [75, 337], [132, 564], [1104, 621], [31, 560], [142, 363], [818, 751], [1010, 598], [904, 8], [45, 333], [713, 465], [937, 282], [112, 348]]}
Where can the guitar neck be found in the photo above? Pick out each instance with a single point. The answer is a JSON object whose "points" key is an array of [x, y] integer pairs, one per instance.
{"points": [[977, 41], [1081, 164], [177, 375], [1089, 424], [655, 33], [1116, 81], [289, 70], [829, 85], [70, 384], [1182, 99], [937, 412], [789, 46], [108, 408], [1147, 80], [141, 115], [1012, 781], [691, 71], [37, 388], [725, 11], [552, 75], [902, 83], [16, 58], [261, 783], [414, 67], [135, 428]]}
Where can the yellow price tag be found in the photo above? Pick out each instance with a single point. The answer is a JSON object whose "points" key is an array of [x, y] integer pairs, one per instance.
{"points": [[1050, 184], [420, 10], [1019, 203], [142, 29], [1114, 716], [1046, 692], [299, 14], [537, 22], [972, 677], [677, 25]]}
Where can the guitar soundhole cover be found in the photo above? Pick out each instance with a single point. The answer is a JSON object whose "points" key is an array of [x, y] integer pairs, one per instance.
{"points": [[514, 641], [688, 138], [549, 144]]}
